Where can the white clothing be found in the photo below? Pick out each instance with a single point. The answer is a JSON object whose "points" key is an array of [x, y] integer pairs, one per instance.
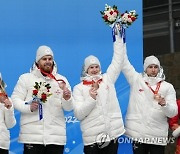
{"points": [[146, 121], [101, 116], [7, 121], [52, 128]]}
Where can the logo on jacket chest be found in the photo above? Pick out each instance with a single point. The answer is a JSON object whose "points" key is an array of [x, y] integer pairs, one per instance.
{"points": [[58, 91], [141, 90]]}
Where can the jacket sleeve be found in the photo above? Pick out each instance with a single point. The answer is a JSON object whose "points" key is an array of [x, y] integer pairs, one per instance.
{"points": [[9, 117], [171, 109], [19, 95], [115, 67], [82, 106], [174, 121], [127, 69], [67, 104]]}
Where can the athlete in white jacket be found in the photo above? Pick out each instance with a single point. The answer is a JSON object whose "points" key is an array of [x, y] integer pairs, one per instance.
{"points": [[7, 119], [152, 101], [42, 126], [96, 104]]}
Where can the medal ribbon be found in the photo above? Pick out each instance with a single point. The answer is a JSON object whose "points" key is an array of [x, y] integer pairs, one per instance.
{"points": [[121, 31], [3, 94], [40, 111], [157, 87], [50, 75], [85, 82], [39, 106]]}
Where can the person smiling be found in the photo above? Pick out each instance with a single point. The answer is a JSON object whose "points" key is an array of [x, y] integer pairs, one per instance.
{"points": [[42, 96]]}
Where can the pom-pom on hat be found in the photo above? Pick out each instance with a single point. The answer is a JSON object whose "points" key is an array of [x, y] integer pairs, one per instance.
{"points": [[43, 51], [151, 60], [91, 60]]}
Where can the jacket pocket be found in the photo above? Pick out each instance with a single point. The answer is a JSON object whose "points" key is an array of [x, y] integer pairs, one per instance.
{"points": [[27, 118], [5, 135], [116, 121], [132, 120], [90, 124], [159, 128]]}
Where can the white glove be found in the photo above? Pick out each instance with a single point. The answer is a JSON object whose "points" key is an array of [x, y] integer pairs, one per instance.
{"points": [[176, 132]]}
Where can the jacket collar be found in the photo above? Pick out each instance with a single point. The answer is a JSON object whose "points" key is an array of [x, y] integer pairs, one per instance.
{"points": [[36, 71]]}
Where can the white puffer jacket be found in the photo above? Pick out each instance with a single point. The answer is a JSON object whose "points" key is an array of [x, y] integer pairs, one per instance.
{"points": [[146, 121], [101, 116], [7, 121], [52, 128]]}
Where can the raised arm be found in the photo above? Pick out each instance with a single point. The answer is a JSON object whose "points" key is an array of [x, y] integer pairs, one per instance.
{"points": [[115, 67], [128, 69]]}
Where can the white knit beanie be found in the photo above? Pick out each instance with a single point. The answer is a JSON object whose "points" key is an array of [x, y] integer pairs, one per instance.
{"points": [[43, 51], [151, 60], [91, 60]]}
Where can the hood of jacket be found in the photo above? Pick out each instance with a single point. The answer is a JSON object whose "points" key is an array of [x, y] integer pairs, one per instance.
{"points": [[154, 80]]}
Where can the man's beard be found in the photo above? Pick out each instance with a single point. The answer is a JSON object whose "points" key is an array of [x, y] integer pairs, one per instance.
{"points": [[47, 69]]}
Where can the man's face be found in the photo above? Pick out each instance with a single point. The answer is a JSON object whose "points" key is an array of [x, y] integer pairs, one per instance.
{"points": [[152, 70], [46, 63], [93, 70]]}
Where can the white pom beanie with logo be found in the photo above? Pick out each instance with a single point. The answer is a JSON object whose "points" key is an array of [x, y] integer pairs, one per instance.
{"points": [[151, 60], [43, 51], [91, 60]]}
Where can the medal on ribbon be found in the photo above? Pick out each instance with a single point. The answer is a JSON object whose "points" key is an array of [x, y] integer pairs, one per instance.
{"points": [[156, 95]]}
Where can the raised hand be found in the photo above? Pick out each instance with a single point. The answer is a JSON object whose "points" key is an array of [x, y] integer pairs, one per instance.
{"points": [[62, 85], [93, 92], [95, 85], [7, 103], [2, 98], [161, 101], [66, 93]]}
